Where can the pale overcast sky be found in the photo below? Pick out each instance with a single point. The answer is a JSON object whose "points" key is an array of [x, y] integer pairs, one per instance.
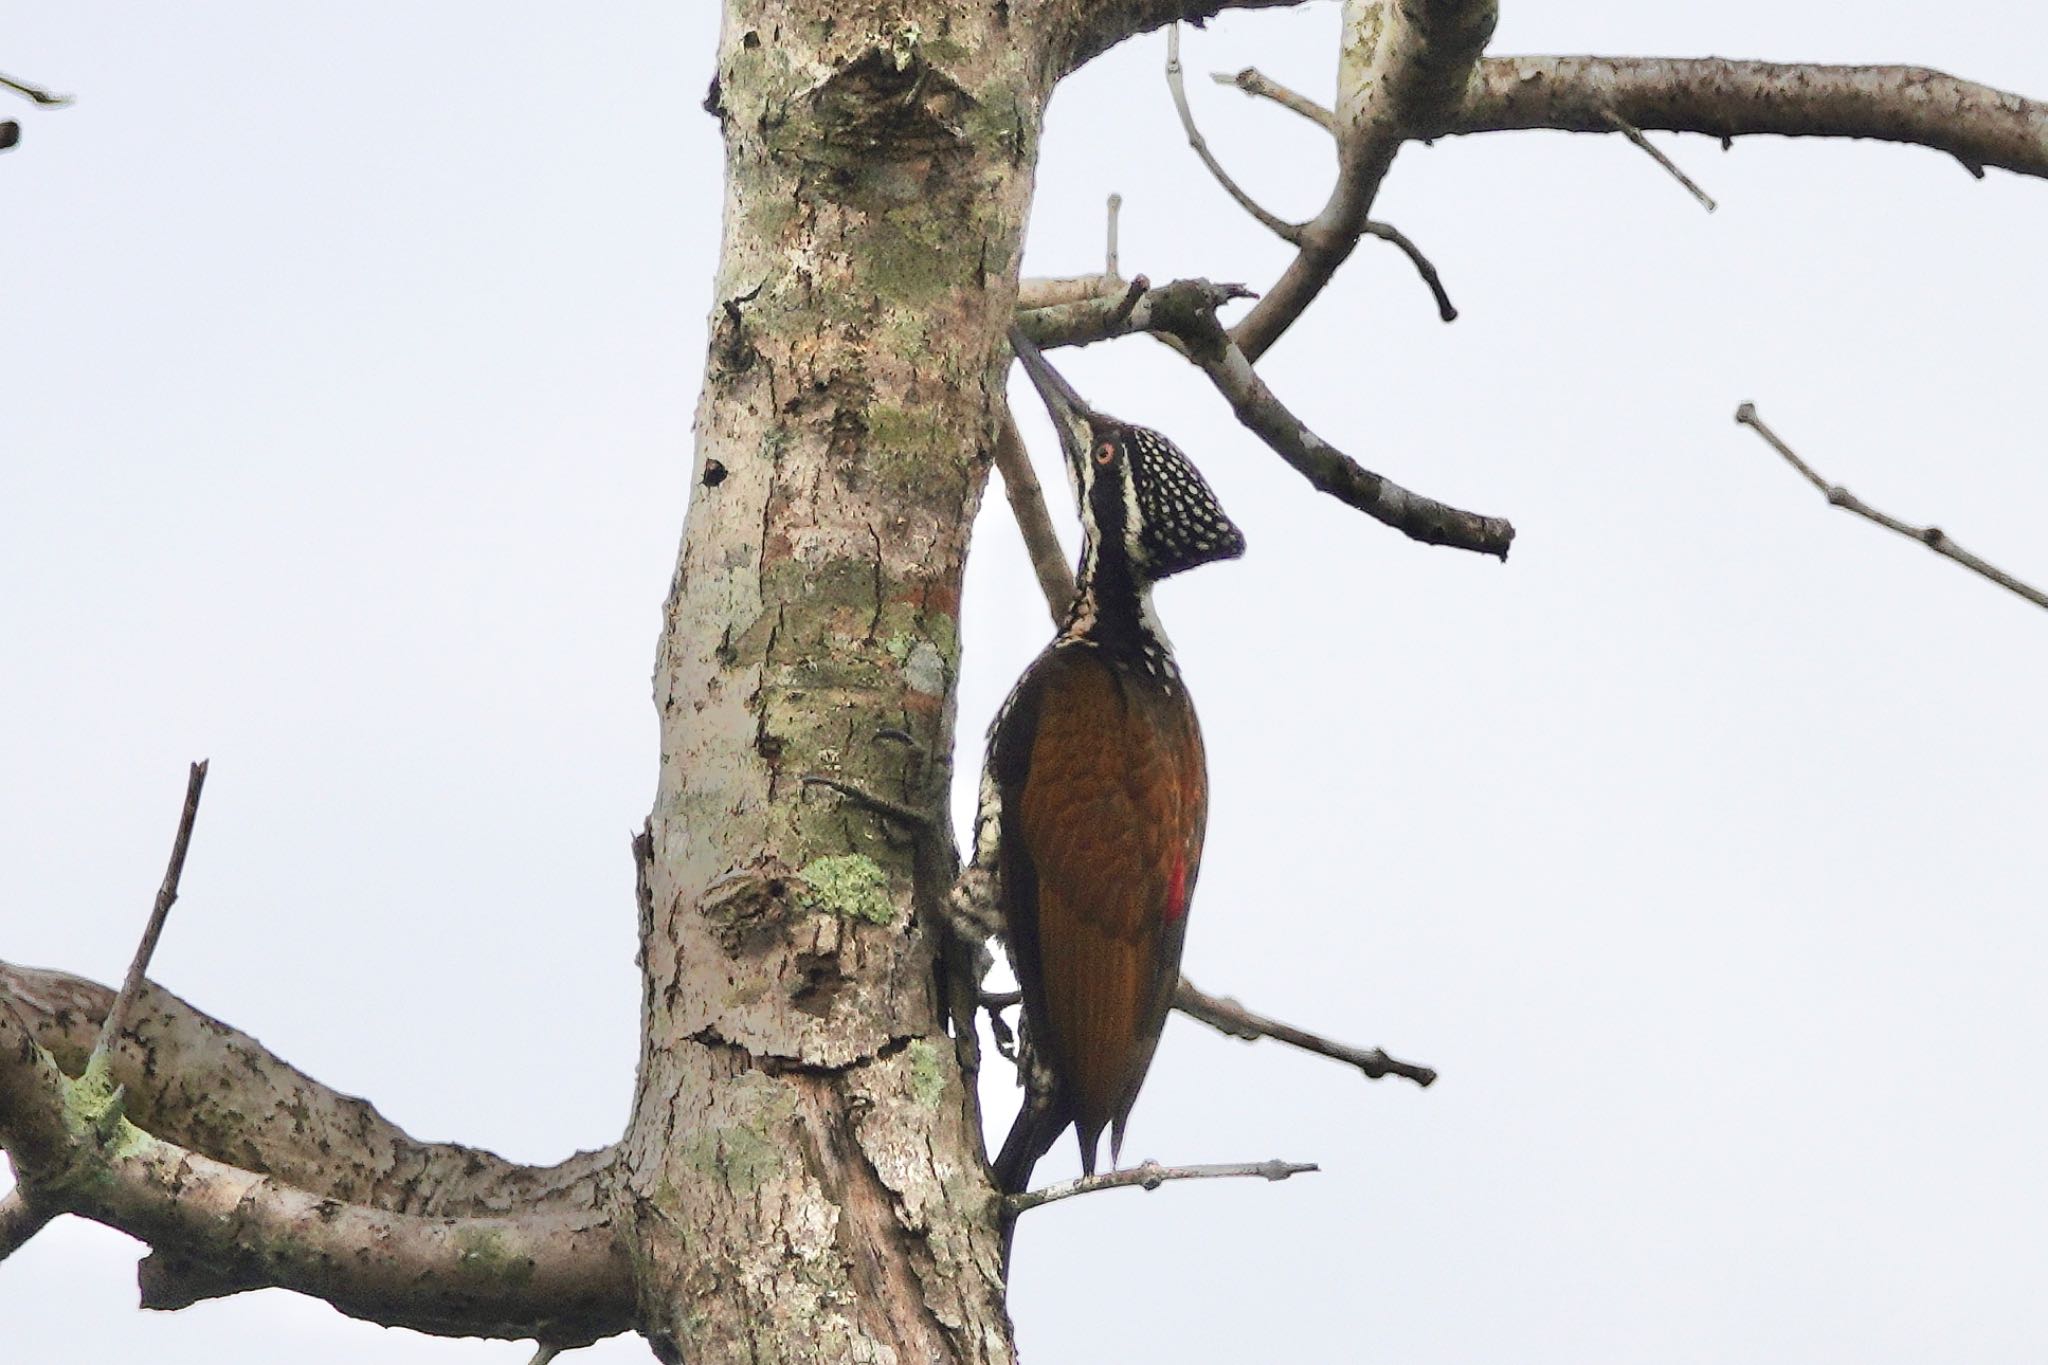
{"points": [[348, 358]]}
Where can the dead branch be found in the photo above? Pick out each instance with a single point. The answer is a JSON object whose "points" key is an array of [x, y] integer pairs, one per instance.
{"points": [[166, 897], [1150, 1175], [1386, 232], [1402, 67], [216, 1229], [1052, 292], [19, 1220], [1976, 124], [1260, 86], [1095, 26], [1322, 464], [1228, 1016], [1290, 233], [1651, 150], [198, 1082], [1279, 227], [1933, 537], [1107, 316]]}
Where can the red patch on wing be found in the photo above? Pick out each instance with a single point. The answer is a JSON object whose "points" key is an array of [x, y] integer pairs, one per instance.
{"points": [[1177, 889]]}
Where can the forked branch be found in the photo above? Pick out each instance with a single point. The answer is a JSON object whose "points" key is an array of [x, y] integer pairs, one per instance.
{"points": [[197, 1081], [1402, 66], [215, 1229]]}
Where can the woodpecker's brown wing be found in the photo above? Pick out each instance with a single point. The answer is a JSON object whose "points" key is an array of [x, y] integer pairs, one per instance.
{"points": [[1104, 797]]}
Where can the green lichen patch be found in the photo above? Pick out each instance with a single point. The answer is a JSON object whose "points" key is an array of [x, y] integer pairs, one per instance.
{"points": [[481, 1254], [850, 885], [927, 1072], [747, 1153]]}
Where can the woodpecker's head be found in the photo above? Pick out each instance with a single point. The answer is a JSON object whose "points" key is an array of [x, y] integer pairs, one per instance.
{"points": [[1137, 493]]}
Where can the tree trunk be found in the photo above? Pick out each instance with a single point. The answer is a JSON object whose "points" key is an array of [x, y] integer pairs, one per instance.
{"points": [[803, 1176]]}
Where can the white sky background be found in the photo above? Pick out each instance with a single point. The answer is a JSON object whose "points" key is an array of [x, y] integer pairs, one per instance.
{"points": [[348, 355]]}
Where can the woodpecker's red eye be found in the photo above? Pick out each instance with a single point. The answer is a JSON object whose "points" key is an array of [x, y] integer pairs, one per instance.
{"points": [[1105, 452]]}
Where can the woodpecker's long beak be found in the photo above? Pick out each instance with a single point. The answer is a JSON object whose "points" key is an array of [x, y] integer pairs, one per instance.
{"points": [[1071, 417]]}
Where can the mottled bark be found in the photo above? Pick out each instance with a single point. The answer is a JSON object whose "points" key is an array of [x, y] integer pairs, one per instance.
{"points": [[195, 1081], [803, 1173]]}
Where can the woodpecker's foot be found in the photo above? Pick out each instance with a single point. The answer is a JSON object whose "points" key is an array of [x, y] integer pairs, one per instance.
{"points": [[971, 905], [916, 820]]}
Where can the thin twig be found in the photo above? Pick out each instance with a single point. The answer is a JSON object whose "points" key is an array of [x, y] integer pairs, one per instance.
{"points": [[20, 1219], [1227, 1016], [1027, 504], [166, 896], [1150, 1175], [1110, 268], [544, 1355], [1279, 227], [1635, 135], [36, 93], [1387, 232], [1260, 86], [1933, 537]]}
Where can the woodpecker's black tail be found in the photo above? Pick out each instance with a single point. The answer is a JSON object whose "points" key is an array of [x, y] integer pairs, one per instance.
{"points": [[1039, 1124]]}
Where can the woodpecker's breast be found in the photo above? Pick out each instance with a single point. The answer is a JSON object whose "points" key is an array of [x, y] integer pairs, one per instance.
{"points": [[1102, 782]]}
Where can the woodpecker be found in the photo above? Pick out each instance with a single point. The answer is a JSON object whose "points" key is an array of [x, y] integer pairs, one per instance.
{"points": [[1095, 791]]}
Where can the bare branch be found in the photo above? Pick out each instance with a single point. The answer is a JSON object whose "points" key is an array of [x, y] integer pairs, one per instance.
{"points": [[1050, 293], [1279, 227], [36, 93], [20, 1219], [1150, 1175], [1322, 464], [1227, 1016], [191, 1079], [1110, 269], [1105, 317], [1386, 232], [1027, 504], [1649, 148], [1933, 537], [1402, 66], [1259, 86], [215, 1229], [166, 897], [1092, 27], [1976, 124]]}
